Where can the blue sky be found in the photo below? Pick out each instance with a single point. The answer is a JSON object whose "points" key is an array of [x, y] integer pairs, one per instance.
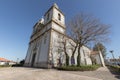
{"points": [[17, 18]]}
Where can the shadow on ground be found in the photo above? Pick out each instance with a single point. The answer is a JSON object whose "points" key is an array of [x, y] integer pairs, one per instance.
{"points": [[114, 72]]}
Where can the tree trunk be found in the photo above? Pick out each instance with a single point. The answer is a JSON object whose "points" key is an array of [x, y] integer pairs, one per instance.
{"points": [[72, 57], [67, 60], [66, 55], [79, 56]]}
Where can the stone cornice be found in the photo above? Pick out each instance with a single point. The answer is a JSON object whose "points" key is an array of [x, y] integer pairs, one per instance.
{"points": [[53, 20], [62, 26], [55, 8], [39, 36]]}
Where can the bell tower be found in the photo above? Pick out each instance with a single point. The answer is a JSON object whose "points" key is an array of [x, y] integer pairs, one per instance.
{"points": [[55, 16], [43, 50]]}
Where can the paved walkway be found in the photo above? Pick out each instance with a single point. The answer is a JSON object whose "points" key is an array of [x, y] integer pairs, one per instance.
{"points": [[101, 73], [39, 74], [46, 74]]}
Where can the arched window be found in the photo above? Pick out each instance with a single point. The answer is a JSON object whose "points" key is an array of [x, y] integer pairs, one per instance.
{"points": [[59, 16]]}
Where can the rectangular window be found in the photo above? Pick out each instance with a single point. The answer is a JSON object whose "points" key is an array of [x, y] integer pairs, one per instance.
{"points": [[48, 16], [59, 17]]}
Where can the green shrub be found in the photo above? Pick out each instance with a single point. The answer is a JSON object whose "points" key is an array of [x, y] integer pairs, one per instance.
{"points": [[5, 65], [17, 65], [80, 68], [115, 68]]}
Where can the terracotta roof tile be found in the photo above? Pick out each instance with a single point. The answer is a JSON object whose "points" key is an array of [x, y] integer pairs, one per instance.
{"points": [[5, 60]]}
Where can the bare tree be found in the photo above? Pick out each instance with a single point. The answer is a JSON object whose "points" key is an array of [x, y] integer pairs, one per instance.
{"points": [[63, 47], [65, 44], [73, 48], [84, 29]]}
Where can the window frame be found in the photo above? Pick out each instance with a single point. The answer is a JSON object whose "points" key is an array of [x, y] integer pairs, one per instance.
{"points": [[59, 16]]}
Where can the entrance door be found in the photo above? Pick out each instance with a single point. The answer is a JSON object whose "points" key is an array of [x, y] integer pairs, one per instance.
{"points": [[33, 59]]}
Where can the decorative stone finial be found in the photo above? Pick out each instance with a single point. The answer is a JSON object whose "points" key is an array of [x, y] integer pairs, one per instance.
{"points": [[55, 5], [41, 20]]}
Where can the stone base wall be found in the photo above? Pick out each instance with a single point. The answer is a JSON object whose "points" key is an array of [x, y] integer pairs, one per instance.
{"points": [[27, 64]]}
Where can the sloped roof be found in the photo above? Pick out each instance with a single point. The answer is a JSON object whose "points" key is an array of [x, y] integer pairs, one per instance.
{"points": [[5, 60]]}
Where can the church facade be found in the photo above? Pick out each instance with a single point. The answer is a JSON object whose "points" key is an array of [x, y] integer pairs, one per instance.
{"points": [[44, 46]]}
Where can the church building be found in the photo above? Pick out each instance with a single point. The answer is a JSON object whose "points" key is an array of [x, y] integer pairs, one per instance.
{"points": [[44, 46]]}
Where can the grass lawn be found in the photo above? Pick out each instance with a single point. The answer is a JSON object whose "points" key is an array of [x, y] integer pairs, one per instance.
{"points": [[1, 66]]}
